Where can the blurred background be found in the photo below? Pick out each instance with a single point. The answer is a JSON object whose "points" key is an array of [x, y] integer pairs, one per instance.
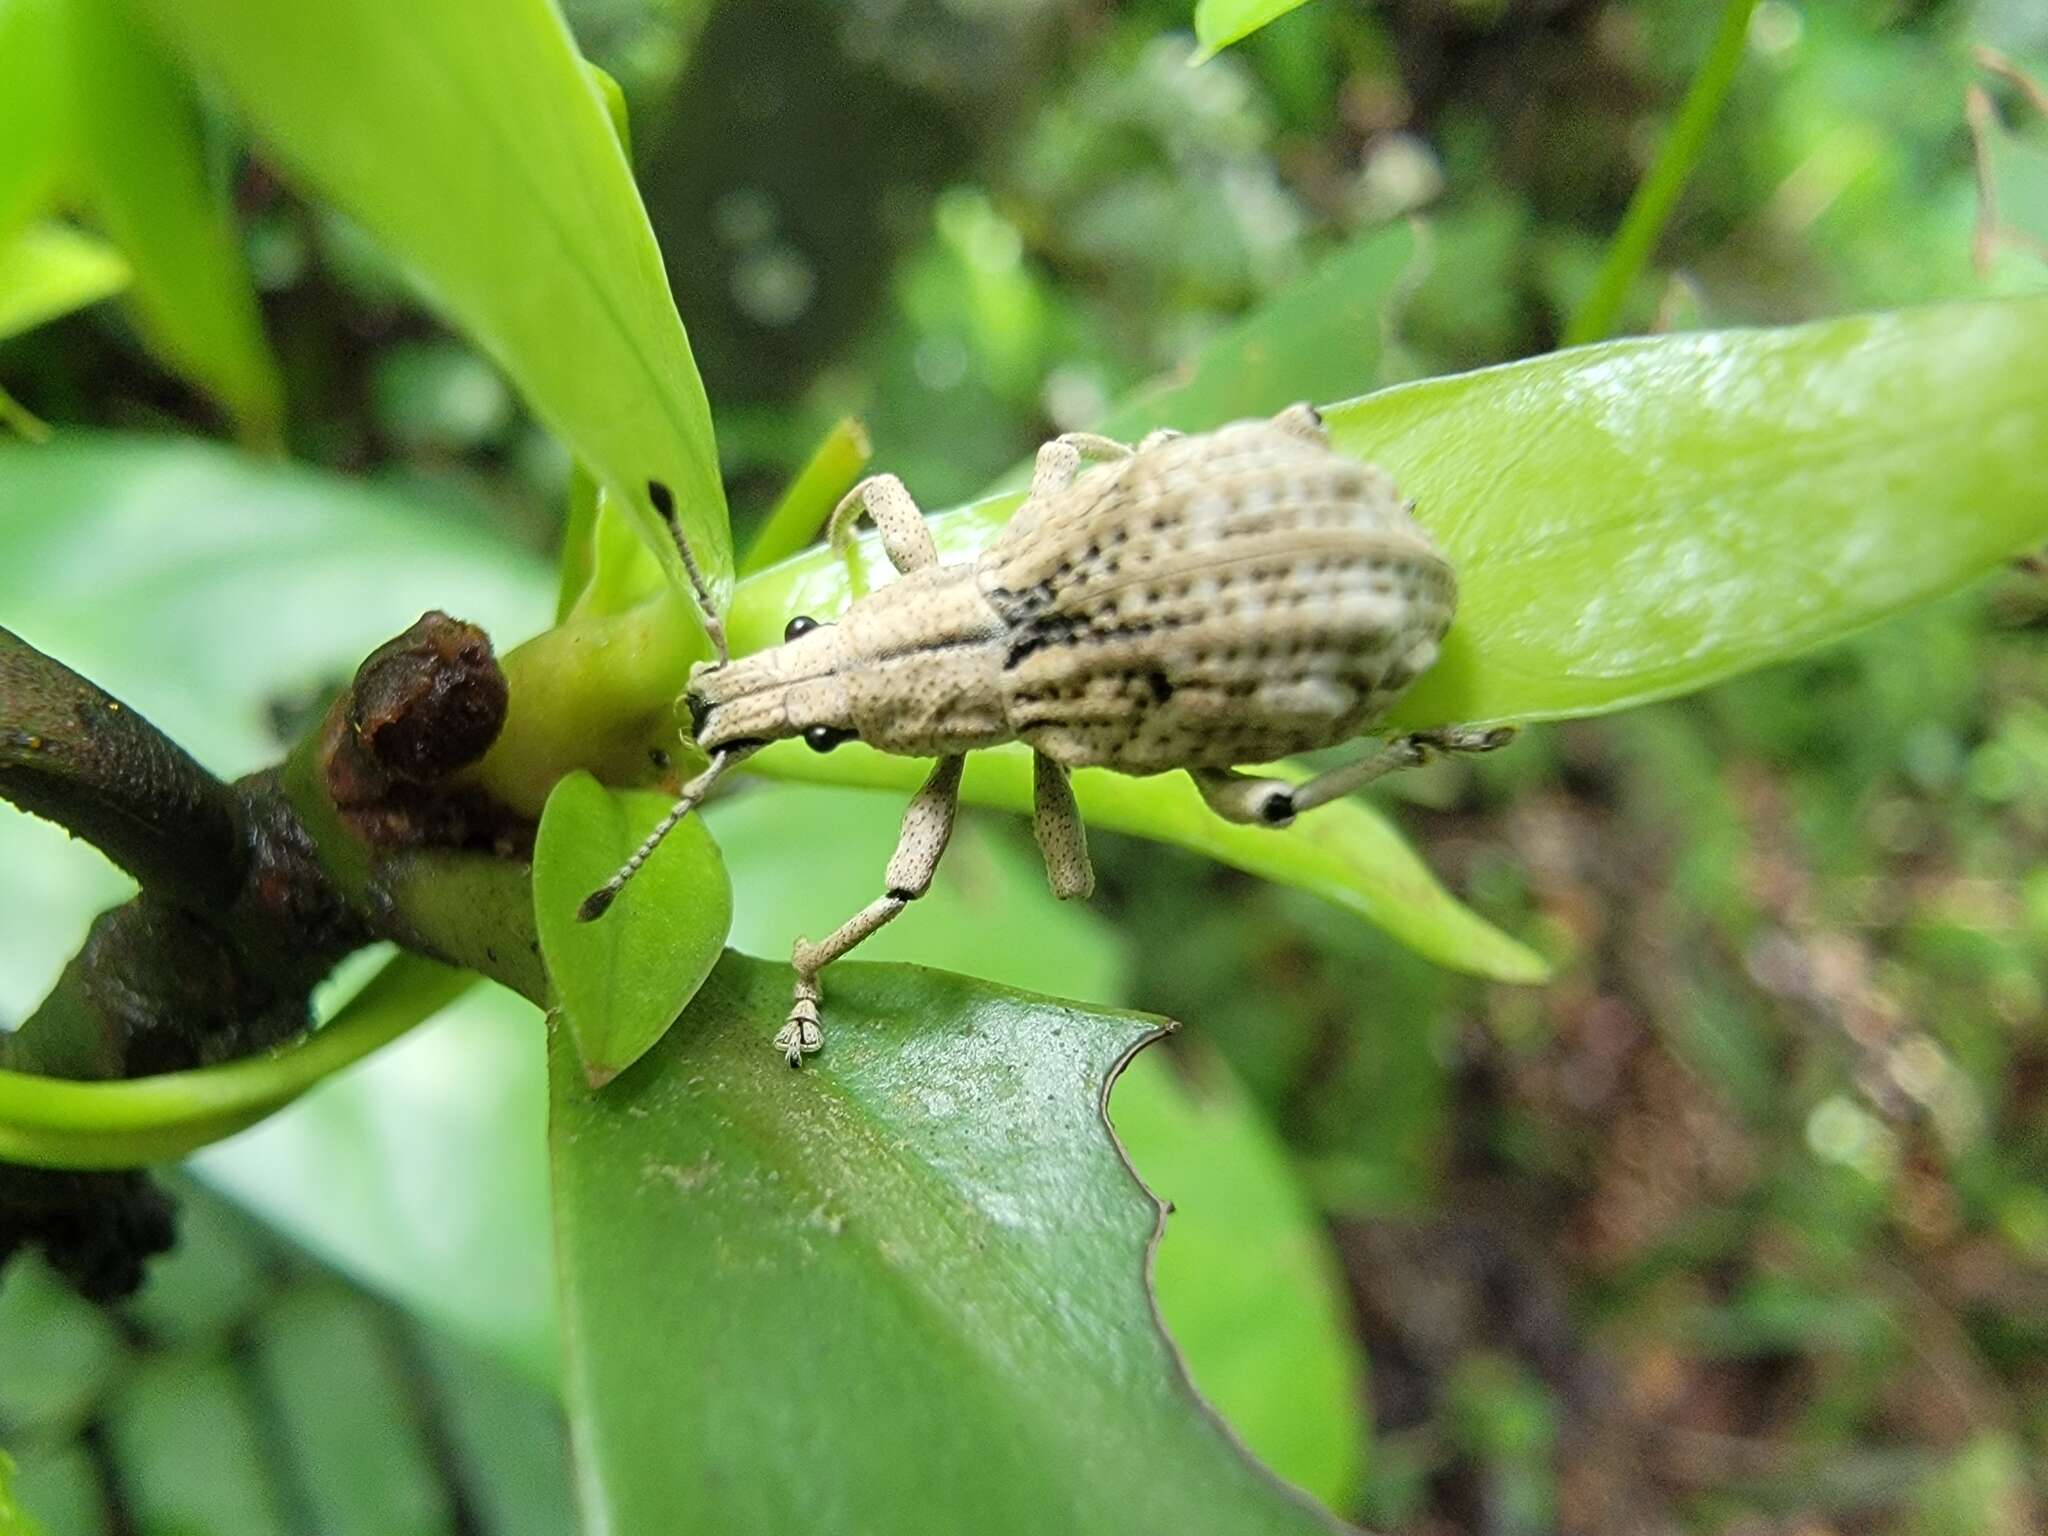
{"points": [[1739, 1227]]}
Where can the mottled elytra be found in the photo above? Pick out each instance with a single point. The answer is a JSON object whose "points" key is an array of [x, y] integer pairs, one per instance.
{"points": [[1195, 602]]}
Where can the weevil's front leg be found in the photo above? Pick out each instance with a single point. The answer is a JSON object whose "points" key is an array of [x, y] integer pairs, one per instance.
{"points": [[927, 825], [1274, 802], [1056, 823], [1060, 460], [905, 535]]}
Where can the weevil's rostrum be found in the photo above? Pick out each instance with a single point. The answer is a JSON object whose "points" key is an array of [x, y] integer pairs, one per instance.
{"points": [[1195, 602]]}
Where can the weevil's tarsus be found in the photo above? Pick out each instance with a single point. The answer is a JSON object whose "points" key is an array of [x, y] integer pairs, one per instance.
{"points": [[1255, 801], [927, 828], [599, 901], [664, 502]]}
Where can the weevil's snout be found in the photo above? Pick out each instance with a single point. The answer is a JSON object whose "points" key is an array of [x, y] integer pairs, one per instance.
{"points": [[792, 689]]}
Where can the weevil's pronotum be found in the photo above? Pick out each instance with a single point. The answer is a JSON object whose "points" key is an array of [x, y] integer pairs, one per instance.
{"points": [[1196, 602]]}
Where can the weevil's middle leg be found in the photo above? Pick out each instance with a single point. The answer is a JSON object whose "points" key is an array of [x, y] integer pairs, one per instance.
{"points": [[1056, 823], [1248, 798], [927, 827], [905, 535]]}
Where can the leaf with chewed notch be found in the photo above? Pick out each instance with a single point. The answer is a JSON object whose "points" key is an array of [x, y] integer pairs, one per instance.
{"points": [[622, 978], [910, 1277]]}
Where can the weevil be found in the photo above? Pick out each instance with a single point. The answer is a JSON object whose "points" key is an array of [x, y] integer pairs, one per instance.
{"points": [[1196, 602]]}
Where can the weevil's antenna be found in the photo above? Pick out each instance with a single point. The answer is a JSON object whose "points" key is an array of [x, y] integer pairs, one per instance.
{"points": [[599, 901], [714, 627]]}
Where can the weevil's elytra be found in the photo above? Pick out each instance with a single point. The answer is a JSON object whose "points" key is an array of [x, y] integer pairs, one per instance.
{"points": [[1196, 602]]}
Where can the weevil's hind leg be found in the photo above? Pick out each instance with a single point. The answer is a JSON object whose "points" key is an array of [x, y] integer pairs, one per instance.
{"points": [[905, 534], [1056, 823], [1247, 798], [927, 826], [1060, 460], [1304, 420]]}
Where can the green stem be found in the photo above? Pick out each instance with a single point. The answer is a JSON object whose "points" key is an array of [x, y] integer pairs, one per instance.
{"points": [[58, 1123], [1658, 194], [795, 522]]}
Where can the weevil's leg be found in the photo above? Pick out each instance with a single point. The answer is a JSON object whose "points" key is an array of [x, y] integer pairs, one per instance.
{"points": [[927, 825], [1304, 420], [1060, 460], [1056, 823], [902, 526], [1275, 803]]}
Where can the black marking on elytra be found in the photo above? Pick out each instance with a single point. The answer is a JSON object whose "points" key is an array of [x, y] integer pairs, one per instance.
{"points": [[1161, 686]]}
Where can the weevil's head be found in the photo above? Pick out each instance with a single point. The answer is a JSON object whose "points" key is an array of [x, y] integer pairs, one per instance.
{"points": [[796, 688]]}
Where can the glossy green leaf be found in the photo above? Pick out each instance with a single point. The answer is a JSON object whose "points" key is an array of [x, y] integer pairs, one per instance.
{"points": [[1639, 520], [1219, 23], [468, 137], [1246, 1278], [624, 978], [35, 118], [51, 269], [146, 179], [911, 1276], [57, 1123], [1346, 852]]}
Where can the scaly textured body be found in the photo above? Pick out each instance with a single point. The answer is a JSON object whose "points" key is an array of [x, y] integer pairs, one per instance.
{"points": [[1215, 600], [1193, 603]]}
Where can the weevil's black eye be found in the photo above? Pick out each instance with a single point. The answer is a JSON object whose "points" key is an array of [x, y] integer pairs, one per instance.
{"points": [[699, 707], [802, 624], [823, 738]]}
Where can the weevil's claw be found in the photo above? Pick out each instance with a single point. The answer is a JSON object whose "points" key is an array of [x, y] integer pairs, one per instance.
{"points": [[800, 1036]]}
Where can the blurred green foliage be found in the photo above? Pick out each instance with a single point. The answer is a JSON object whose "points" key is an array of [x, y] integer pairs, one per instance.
{"points": [[1738, 1228]]}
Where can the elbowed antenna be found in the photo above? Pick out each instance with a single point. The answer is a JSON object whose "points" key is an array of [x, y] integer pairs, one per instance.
{"points": [[714, 627], [599, 901]]}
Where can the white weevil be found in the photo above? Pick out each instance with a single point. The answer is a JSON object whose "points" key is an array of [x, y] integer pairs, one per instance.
{"points": [[1195, 602]]}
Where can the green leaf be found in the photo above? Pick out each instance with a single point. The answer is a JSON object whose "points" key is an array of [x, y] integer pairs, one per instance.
{"points": [[624, 978], [1219, 23], [422, 1175], [469, 138], [51, 269], [1641, 519], [1245, 1276], [800, 516], [57, 1123], [35, 116], [147, 182], [911, 1276], [1346, 852], [12, 1521]]}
